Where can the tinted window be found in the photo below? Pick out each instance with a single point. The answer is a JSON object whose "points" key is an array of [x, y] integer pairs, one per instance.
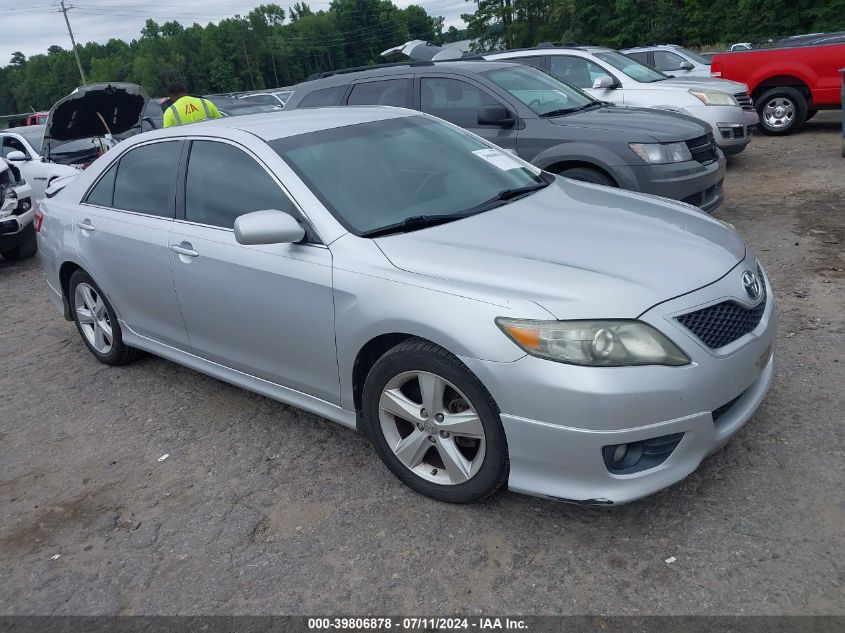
{"points": [[262, 99], [324, 97], [224, 182], [538, 90], [631, 67], [664, 60], [576, 70], [453, 100], [640, 57], [375, 174], [146, 177], [11, 144], [535, 60], [391, 92], [102, 193]]}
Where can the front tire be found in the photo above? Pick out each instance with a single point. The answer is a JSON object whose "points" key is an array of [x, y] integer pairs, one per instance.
{"points": [[97, 322], [434, 425], [782, 111], [26, 249]]}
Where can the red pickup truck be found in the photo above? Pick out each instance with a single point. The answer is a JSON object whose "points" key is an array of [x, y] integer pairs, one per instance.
{"points": [[788, 85]]}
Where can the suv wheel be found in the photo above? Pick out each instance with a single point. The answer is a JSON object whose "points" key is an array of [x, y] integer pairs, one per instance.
{"points": [[434, 425], [96, 321], [782, 110], [588, 174]]}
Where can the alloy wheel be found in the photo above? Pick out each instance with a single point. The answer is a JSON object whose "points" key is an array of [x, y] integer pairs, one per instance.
{"points": [[432, 428], [779, 113], [93, 317]]}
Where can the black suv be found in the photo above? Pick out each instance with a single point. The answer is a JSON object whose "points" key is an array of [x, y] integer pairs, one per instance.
{"points": [[550, 123]]}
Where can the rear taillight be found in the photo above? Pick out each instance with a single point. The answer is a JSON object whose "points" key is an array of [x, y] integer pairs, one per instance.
{"points": [[716, 69], [39, 219]]}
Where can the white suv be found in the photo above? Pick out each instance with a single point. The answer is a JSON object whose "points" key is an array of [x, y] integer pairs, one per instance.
{"points": [[611, 76], [671, 59], [17, 211]]}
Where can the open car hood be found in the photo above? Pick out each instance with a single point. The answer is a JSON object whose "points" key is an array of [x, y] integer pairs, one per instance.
{"points": [[94, 111]]}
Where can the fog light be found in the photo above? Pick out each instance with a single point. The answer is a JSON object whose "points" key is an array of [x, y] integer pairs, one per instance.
{"points": [[633, 457], [619, 453]]}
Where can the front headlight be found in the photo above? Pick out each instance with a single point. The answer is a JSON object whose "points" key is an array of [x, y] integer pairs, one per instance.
{"points": [[603, 343], [714, 97], [661, 153]]}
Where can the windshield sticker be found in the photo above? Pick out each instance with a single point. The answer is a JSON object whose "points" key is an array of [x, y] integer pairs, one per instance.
{"points": [[497, 158]]}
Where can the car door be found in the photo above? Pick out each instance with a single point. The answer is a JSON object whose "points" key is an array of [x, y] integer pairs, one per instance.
{"points": [[266, 310], [583, 72], [121, 231], [33, 170], [458, 101]]}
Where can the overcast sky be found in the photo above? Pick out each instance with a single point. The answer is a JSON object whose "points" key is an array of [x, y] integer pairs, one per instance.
{"points": [[31, 26]]}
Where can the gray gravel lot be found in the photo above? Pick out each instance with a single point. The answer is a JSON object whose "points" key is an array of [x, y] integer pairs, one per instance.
{"points": [[261, 508]]}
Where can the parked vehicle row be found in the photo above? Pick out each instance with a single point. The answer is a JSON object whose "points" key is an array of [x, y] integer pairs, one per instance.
{"points": [[485, 322], [554, 125]]}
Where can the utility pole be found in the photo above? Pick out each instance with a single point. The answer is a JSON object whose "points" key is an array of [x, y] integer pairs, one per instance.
{"points": [[246, 55], [64, 11], [273, 58]]}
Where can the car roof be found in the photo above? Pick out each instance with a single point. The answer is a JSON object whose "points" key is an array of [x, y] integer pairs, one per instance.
{"points": [[649, 48], [552, 49], [470, 67], [277, 124]]}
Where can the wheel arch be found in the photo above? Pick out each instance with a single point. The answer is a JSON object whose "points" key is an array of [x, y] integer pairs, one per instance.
{"points": [[561, 166], [782, 81], [66, 270], [366, 357]]}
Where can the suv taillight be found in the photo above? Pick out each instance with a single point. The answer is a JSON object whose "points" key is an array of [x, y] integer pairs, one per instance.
{"points": [[716, 69], [39, 219]]}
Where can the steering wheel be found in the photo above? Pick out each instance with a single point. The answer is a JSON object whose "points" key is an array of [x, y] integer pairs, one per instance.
{"points": [[437, 176]]}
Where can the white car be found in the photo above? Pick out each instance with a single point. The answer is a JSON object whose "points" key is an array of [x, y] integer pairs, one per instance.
{"points": [[17, 211], [22, 147], [611, 76], [276, 98], [673, 60]]}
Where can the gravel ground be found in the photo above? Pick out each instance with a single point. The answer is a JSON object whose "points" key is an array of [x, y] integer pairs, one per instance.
{"points": [[261, 508]]}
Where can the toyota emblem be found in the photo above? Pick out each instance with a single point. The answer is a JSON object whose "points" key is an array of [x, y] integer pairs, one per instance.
{"points": [[752, 286]]}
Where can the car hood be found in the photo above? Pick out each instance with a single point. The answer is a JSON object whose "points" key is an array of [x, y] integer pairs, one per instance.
{"points": [[579, 250], [703, 83], [659, 125], [94, 111]]}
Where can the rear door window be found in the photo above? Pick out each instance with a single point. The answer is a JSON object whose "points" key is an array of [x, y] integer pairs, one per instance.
{"points": [[578, 71], [325, 97], [454, 100], [102, 194], [146, 179], [641, 57], [389, 92], [664, 60]]}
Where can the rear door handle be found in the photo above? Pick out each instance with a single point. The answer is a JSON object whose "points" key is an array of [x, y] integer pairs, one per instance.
{"points": [[85, 225], [184, 249]]}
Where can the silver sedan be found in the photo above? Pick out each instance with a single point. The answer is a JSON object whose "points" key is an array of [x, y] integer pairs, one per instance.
{"points": [[483, 322]]}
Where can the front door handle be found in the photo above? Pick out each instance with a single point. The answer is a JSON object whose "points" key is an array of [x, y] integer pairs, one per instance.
{"points": [[184, 248], [85, 225]]}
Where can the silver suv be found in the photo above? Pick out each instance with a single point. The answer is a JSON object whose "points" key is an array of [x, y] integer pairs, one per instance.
{"points": [[671, 59], [611, 76]]}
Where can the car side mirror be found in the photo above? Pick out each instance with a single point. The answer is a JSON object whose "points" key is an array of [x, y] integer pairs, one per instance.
{"points": [[686, 66], [605, 82], [495, 115], [17, 157], [268, 227]]}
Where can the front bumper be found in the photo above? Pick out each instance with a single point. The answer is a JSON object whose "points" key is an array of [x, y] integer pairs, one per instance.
{"points": [[690, 182], [14, 228], [557, 417], [731, 125]]}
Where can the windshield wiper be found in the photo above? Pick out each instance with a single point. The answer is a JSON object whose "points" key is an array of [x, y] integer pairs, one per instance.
{"points": [[410, 224], [563, 111]]}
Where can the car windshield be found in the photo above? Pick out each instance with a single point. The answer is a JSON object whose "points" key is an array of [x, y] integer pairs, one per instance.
{"points": [[382, 173], [539, 91], [631, 67], [33, 136], [698, 59]]}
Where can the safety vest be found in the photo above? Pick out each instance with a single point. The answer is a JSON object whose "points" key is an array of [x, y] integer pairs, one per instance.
{"points": [[187, 110]]}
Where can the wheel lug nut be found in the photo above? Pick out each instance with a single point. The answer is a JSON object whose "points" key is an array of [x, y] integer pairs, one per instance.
{"points": [[423, 413], [431, 439], [433, 471], [420, 426], [439, 417], [444, 434]]}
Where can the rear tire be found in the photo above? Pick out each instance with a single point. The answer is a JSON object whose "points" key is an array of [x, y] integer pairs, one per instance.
{"points": [[810, 114], [588, 174], [27, 248], [782, 111], [96, 321], [452, 443]]}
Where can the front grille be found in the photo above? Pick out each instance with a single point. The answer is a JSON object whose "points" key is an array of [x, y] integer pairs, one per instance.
{"points": [[744, 100], [705, 197], [703, 149], [725, 322]]}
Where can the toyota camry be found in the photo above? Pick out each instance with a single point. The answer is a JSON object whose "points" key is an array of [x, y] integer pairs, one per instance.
{"points": [[485, 323]]}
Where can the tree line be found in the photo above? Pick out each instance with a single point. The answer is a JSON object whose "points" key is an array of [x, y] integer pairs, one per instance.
{"points": [[266, 48], [499, 24]]}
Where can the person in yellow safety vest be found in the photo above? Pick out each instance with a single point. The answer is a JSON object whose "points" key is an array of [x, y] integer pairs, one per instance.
{"points": [[186, 109]]}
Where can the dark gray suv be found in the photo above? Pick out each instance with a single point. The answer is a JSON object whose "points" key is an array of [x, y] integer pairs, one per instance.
{"points": [[546, 121]]}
